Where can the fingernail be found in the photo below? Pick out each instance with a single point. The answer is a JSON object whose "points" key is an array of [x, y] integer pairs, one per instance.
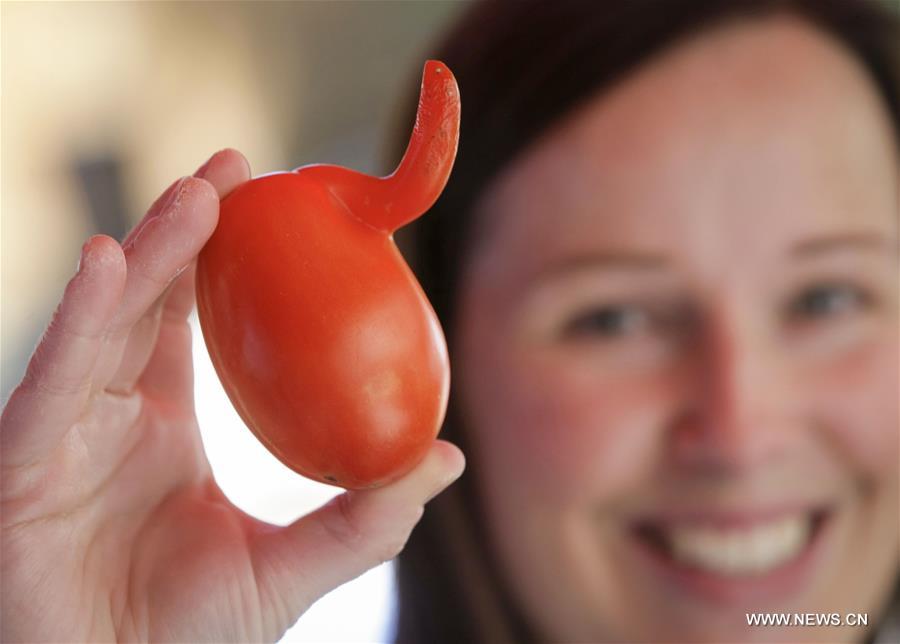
{"points": [[86, 250], [455, 459], [201, 171], [164, 201], [163, 204], [81, 257], [454, 474], [174, 196]]}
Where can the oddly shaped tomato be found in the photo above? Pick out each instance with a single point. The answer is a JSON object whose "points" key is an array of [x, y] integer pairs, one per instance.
{"points": [[318, 330]]}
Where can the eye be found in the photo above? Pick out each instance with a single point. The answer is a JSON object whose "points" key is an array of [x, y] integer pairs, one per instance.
{"points": [[827, 301], [608, 322]]}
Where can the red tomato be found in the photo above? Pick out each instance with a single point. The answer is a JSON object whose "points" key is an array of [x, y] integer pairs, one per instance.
{"points": [[318, 330]]}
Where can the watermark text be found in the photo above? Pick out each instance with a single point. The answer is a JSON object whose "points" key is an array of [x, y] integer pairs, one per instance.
{"points": [[807, 619]]}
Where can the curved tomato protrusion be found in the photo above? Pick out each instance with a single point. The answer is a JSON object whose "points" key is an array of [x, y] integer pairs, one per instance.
{"points": [[387, 203], [321, 335]]}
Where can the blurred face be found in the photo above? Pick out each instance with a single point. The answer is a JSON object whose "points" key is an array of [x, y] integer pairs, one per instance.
{"points": [[677, 349]]}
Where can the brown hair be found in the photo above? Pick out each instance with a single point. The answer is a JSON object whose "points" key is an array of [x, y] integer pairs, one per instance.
{"points": [[522, 65]]}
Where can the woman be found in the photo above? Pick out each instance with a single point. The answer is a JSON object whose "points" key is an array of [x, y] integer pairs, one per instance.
{"points": [[666, 264]]}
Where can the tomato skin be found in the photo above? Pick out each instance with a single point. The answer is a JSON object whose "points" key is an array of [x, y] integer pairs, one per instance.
{"points": [[321, 335]]}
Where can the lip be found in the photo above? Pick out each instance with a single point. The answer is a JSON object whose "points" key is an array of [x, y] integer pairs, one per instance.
{"points": [[777, 584]]}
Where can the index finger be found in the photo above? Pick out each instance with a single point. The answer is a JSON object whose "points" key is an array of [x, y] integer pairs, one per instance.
{"points": [[173, 232]]}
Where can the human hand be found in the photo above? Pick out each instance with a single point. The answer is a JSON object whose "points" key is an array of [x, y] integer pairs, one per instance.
{"points": [[112, 525]]}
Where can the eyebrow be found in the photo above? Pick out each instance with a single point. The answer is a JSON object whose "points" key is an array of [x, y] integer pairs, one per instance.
{"points": [[613, 260], [861, 240], [650, 262]]}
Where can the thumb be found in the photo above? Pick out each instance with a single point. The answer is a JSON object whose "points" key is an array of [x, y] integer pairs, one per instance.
{"points": [[350, 534]]}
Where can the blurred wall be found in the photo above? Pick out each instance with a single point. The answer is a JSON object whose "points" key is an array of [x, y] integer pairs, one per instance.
{"points": [[102, 105]]}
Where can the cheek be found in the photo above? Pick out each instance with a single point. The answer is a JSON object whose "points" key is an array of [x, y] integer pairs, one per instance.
{"points": [[557, 429], [856, 402]]}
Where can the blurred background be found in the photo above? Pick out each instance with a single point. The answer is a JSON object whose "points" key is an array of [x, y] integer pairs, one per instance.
{"points": [[103, 105]]}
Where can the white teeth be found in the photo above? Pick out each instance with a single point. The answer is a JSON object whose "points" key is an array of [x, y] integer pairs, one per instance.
{"points": [[743, 551]]}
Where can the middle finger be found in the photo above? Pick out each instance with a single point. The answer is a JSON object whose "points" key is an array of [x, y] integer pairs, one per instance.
{"points": [[162, 245]]}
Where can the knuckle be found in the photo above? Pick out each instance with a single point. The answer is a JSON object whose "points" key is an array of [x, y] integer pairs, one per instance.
{"points": [[394, 545], [66, 329], [35, 381], [157, 278], [54, 369], [342, 524], [345, 526]]}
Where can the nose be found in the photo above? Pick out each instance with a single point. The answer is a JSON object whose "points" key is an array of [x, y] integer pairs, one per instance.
{"points": [[737, 412]]}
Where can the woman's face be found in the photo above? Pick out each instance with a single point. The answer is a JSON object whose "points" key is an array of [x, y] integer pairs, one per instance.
{"points": [[677, 349]]}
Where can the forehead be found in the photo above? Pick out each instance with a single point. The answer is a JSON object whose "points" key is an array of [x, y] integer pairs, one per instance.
{"points": [[764, 125]]}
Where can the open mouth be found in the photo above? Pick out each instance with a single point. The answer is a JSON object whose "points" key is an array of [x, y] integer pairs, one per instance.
{"points": [[733, 548]]}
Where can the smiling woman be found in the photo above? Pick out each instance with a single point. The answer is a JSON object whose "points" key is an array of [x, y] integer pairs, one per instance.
{"points": [[667, 262]]}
